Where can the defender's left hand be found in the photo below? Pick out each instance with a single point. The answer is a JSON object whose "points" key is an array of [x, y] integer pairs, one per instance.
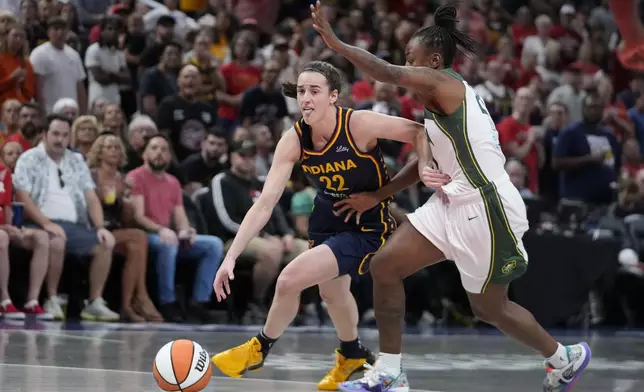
{"points": [[322, 26], [434, 179], [356, 204]]}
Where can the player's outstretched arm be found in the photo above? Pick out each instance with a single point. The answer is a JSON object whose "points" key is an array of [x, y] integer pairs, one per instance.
{"points": [[433, 83], [287, 153]]}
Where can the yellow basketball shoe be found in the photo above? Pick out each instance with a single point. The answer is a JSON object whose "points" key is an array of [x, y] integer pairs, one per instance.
{"points": [[343, 369], [238, 360]]}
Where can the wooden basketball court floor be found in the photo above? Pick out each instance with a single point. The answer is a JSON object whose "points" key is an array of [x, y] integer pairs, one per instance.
{"points": [[92, 357]]}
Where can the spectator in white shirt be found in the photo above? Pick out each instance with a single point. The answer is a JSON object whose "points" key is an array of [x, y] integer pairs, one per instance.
{"points": [[59, 68], [537, 44], [106, 63]]}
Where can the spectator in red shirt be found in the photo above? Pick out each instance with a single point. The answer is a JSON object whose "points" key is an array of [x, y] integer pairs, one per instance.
{"points": [[158, 208], [519, 139], [522, 28], [29, 123], [32, 239], [239, 75]]}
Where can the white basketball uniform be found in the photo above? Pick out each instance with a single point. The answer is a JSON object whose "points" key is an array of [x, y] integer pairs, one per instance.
{"points": [[481, 227]]}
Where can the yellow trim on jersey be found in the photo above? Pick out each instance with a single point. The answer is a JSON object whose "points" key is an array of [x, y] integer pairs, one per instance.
{"points": [[385, 229], [334, 137], [496, 193], [297, 128], [358, 152]]}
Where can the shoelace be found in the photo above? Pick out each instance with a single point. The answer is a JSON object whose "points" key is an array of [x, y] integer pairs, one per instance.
{"points": [[372, 375]]}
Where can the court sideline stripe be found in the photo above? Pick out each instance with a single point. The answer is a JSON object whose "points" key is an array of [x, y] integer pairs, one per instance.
{"points": [[20, 365]]}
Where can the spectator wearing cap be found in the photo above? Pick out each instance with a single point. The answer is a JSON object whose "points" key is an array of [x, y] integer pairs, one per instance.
{"points": [[230, 196], [158, 208], [106, 64], [163, 35], [17, 79], [160, 81], [185, 117], [200, 167], [265, 103], [519, 139], [184, 24], [59, 68], [569, 39], [570, 93], [588, 157]]}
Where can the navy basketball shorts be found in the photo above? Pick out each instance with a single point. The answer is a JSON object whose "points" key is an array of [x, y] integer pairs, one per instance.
{"points": [[352, 250]]}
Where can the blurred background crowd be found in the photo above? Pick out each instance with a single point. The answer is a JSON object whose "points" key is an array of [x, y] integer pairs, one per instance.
{"points": [[206, 74]]}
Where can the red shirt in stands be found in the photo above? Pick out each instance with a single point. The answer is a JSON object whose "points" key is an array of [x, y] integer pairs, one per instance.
{"points": [[17, 137], [6, 192], [161, 194], [238, 79], [511, 130]]}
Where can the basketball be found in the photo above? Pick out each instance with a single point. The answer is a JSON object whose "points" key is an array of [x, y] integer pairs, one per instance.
{"points": [[182, 365]]}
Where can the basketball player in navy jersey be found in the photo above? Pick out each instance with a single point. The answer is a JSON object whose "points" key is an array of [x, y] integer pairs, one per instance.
{"points": [[338, 150]]}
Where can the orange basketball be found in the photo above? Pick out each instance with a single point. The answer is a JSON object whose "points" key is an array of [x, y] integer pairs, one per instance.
{"points": [[182, 365]]}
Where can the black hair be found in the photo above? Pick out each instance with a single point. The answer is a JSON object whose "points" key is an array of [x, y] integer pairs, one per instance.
{"points": [[444, 35], [57, 117], [251, 42], [217, 132], [331, 73], [110, 20], [149, 139], [31, 105], [172, 44]]}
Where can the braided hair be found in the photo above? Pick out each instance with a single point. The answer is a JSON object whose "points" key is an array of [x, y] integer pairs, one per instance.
{"points": [[444, 35]]}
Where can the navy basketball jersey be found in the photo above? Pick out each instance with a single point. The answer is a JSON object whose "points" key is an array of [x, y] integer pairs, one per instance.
{"points": [[340, 169]]}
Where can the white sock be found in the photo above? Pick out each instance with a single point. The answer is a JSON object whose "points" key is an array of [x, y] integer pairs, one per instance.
{"points": [[560, 358], [31, 304], [391, 363]]}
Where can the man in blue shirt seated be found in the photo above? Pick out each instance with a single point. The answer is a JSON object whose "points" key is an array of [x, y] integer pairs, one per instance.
{"points": [[588, 157]]}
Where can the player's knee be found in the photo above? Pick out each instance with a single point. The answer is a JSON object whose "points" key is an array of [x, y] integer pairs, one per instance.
{"points": [[287, 285], [382, 268]]}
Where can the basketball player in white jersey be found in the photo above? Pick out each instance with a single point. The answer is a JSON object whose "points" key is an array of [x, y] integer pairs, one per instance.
{"points": [[480, 222]]}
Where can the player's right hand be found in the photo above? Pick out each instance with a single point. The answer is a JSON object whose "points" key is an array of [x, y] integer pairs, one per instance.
{"points": [[355, 204], [434, 179], [225, 274]]}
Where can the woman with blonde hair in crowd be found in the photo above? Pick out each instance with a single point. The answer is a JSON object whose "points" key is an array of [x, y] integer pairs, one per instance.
{"points": [[9, 117], [9, 154], [17, 78], [105, 159], [84, 133]]}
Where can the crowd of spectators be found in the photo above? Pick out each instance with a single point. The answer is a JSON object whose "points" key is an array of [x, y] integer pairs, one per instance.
{"points": [[136, 126]]}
